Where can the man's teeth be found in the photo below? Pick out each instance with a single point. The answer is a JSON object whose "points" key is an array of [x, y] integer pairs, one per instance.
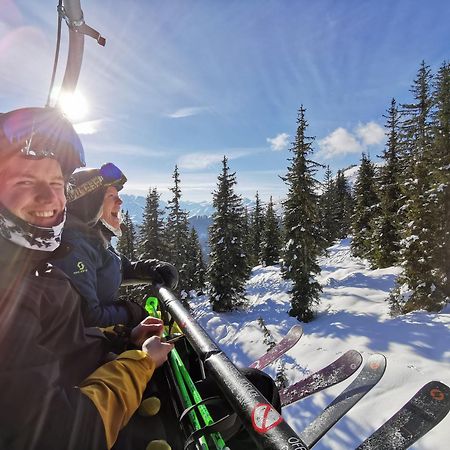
{"points": [[43, 213]]}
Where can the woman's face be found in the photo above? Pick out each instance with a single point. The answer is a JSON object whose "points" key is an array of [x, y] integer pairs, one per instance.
{"points": [[33, 190], [111, 207]]}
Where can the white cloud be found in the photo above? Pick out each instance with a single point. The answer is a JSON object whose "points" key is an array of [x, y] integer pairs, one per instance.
{"points": [[370, 133], [279, 142], [199, 160], [342, 142], [339, 142], [186, 112], [202, 160]]}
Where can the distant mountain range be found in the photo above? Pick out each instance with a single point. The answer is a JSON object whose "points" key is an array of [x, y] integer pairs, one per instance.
{"points": [[135, 205]]}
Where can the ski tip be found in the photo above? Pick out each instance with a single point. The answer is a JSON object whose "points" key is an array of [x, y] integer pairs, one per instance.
{"points": [[296, 329], [355, 356], [438, 392], [377, 361]]}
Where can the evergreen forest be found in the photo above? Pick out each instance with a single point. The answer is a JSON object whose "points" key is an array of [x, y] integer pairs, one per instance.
{"points": [[397, 213]]}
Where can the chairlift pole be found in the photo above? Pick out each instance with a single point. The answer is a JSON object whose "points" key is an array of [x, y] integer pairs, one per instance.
{"points": [[264, 424], [70, 11]]}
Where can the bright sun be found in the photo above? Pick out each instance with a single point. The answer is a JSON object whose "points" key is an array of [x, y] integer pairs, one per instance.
{"points": [[73, 105]]}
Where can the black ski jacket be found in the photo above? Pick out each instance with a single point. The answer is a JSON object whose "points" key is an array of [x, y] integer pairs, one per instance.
{"points": [[46, 352]]}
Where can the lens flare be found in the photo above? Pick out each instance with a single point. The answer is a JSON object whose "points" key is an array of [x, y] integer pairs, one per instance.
{"points": [[73, 105]]}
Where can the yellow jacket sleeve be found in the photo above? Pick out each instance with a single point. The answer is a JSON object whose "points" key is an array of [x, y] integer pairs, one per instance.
{"points": [[116, 389]]}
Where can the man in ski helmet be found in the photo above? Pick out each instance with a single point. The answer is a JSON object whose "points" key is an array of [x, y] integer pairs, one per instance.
{"points": [[57, 393], [94, 266]]}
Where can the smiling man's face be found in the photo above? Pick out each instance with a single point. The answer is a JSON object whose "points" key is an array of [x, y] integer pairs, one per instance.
{"points": [[111, 207], [33, 190]]}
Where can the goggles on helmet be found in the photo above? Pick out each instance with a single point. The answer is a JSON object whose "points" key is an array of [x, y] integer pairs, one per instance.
{"points": [[42, 133], [108, 175]]}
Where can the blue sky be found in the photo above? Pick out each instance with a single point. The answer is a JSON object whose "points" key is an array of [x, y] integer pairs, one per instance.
{"points": [[186, 82]]}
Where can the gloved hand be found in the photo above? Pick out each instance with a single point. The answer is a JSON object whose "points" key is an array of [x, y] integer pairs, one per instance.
{"points": [[167, 273], [150, 270]]}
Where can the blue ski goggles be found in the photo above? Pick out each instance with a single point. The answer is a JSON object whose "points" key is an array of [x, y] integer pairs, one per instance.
{"points": [[108, 175], [42, 133]]}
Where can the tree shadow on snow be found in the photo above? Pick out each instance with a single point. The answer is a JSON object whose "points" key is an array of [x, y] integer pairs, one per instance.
{"points": [[424, 338], [360, 280]]}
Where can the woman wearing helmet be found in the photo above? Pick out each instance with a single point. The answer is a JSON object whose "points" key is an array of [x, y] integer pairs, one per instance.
{"points": [[94, 266], [57, 394]]}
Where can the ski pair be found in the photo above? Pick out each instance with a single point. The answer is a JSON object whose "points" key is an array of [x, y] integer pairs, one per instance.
{"points": [[418, 416], [334, 373], [367, 378]]}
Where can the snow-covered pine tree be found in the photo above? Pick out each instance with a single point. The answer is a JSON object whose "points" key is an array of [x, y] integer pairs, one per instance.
{"points": [[327, 207], [271, 241], [151, 232], [228, 267], [126, 242], [387, 225], [417, 243], [195, 266], [343, 206], [366, 201], [302, 226], [176, 234], [256, 228], [440, 187]]}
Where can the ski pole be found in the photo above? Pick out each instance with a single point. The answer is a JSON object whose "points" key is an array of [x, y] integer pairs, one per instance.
{"points": [[202, 409], [187, 385], [185, 398]]}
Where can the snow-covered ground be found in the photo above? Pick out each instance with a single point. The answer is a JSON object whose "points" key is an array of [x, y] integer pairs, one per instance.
{"points": [[353, 314]]}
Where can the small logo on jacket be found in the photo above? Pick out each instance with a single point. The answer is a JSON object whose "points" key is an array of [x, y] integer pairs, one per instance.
{"points": [[81, 268]]}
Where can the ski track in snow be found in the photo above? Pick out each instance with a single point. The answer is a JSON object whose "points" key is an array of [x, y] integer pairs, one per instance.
{"points": [[353, 314]]}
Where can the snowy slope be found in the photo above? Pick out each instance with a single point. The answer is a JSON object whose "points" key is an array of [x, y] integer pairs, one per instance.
{"points": [[352, 314]]}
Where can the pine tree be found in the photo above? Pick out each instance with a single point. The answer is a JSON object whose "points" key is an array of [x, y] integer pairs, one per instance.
{"points": [[302, 223], [176, 234], [366, 201], [126, 243], [228, 269], [440, 186], [271, 241], [195, 266], [256, 231], [417, 242], [151, 232], [387, 225], [327, 207], [344, 205]]}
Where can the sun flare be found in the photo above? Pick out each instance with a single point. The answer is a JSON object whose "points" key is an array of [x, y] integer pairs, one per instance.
{"points": [[73, 105]]}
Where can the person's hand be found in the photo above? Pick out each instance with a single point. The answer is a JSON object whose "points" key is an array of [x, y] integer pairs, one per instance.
{"points": [[150, 326], [157, 350], [164, 273], [168, 273]]}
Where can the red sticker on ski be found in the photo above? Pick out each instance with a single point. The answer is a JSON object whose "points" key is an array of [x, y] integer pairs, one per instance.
{"points": [[265, 417]]}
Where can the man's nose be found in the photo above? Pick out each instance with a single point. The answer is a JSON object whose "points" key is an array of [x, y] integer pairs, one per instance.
{"points": [[44, 193], [119, 200]]}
